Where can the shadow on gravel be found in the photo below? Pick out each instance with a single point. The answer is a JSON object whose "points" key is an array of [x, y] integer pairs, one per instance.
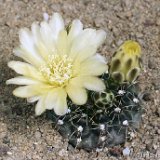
{"points": [[15, 112]]}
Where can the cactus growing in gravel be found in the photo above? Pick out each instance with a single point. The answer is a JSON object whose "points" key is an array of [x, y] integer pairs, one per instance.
{"points": [[108, 118], [61, 65]]}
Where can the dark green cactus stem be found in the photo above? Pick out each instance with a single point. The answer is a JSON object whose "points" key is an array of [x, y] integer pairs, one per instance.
{"points": [[108, 118]]}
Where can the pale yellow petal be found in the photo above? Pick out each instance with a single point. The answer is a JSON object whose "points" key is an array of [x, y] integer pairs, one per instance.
{"points": [[26, 70], [77, 94], [93, 66], [57, 24], [47, 36], [26, 40], [89, 82], [33, 99], [83, 46], [84, 54], [100, 37], [28, 57], [24, 92], [32, 90], [45, 16], [86, 43], [22, 81], [35, 28], [99, 58], [41, 45], [93, 83], [63, 43], [27, 49], [76, 29], [84, 39], [40, 106], [60, 105], [51, 99]]}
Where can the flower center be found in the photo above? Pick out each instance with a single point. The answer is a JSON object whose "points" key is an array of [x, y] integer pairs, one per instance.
{"points": [[57, 70]]}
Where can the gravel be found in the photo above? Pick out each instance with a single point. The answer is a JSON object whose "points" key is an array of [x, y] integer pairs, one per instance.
{"points": [[26, 137]]}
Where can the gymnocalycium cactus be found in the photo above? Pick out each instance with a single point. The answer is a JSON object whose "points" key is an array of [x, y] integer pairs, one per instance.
{"points": [[63, 74], [110, 117]]}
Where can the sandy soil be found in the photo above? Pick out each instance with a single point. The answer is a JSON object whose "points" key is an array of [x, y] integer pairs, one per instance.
{"points": [[26, 137]]}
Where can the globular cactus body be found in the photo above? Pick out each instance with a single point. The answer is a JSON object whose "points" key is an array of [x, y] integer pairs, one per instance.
{"points": [[110, 117], [104, 120]]}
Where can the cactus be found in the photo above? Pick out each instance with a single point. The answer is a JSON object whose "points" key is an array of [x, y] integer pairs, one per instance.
{"points": [[109, 118]]}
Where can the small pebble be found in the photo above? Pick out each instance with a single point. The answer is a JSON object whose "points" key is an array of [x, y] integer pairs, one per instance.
{"points": [[9, 153], [126, 151]]}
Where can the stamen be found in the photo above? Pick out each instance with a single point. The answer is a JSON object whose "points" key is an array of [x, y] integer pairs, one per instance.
{"points": [[57, 70]]}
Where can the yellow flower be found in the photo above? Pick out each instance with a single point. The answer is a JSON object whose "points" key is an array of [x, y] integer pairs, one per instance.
{"points": [[59, 63]]}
